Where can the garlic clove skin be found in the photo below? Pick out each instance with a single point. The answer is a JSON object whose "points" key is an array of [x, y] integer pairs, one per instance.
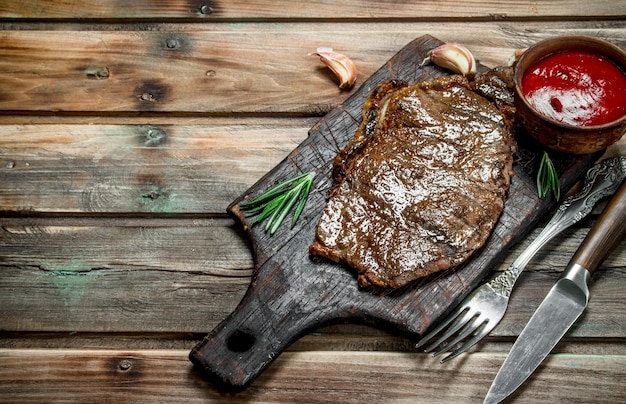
{"points": [[453, 57], [340, 65]]}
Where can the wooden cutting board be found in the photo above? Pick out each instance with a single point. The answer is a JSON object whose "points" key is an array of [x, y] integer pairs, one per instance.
{"points": [[292, 294]]}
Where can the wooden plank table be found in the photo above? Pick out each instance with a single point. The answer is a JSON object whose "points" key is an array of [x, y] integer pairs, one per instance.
{"points": [[126, 128]]}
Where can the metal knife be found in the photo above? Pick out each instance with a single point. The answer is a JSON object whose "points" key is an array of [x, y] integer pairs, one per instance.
{"points": [[564, 303]]}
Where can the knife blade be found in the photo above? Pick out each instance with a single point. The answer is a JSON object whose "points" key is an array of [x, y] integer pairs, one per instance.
{"points": [[565, 302]]}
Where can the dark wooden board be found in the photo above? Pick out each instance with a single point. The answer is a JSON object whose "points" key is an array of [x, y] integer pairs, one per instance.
{"points": [[292, 294]]}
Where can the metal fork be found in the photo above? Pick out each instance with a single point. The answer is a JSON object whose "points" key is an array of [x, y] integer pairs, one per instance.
{"points": [[483, 309]]}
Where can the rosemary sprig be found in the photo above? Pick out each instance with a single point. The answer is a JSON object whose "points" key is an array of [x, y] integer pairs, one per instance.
{"points": [[276, 202], [547, 178]]}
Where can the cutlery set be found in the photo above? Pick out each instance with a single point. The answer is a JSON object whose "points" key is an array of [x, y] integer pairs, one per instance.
{"points": [[483, 309]]}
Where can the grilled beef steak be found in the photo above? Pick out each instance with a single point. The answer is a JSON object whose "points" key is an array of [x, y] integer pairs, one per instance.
{"points": [[423, 182]]}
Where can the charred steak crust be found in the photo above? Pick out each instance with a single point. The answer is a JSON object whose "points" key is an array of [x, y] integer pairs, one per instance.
{"points": [[366, 129], [423, 182]]}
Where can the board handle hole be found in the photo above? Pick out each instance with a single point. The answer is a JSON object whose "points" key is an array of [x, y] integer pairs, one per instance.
{"points": [[240, 341]]}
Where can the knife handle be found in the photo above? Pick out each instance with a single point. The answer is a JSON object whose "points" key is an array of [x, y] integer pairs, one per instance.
{"points": [[606, 234]]}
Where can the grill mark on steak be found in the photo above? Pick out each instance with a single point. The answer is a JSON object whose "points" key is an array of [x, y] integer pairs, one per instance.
{"points": [[422, 183]]}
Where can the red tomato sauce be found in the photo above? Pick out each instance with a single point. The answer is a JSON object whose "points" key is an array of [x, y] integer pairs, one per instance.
{"points": [[577, 88]]}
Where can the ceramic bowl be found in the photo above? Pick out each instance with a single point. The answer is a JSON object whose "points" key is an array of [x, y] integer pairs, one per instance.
{"points": [[560, 136]]}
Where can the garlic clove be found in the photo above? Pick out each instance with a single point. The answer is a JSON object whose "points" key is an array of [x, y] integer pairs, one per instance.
{"points": [[453, 57], [340, 64], [516, 55]]}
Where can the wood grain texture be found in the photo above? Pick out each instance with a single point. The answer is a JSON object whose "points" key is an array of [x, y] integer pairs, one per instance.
{"points": [[301, 9], [155, 169], [108, 300], [170, 167], [315, 377], [189, 275], [227, 68]]}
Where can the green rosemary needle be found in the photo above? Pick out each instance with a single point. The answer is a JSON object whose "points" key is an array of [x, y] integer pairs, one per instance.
{"points": [[276, 202], [547, 178]]}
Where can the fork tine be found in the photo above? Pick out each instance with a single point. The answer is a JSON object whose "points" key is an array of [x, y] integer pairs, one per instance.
{"points": [[474, 329], [476, 321], [441, 326], [485, 328], [455, 326]]}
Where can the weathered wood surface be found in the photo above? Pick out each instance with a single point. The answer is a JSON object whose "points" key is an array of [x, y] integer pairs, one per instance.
{"points": [[228, 68], [197, 271], [302, 9], [295, 377], [126, 128], [151, 168]]}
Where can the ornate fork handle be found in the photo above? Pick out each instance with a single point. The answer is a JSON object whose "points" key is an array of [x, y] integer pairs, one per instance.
{"points": [[601, 180]]}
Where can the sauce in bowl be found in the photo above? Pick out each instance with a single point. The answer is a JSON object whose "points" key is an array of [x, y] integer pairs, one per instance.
{"points": [[577, 88]]}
